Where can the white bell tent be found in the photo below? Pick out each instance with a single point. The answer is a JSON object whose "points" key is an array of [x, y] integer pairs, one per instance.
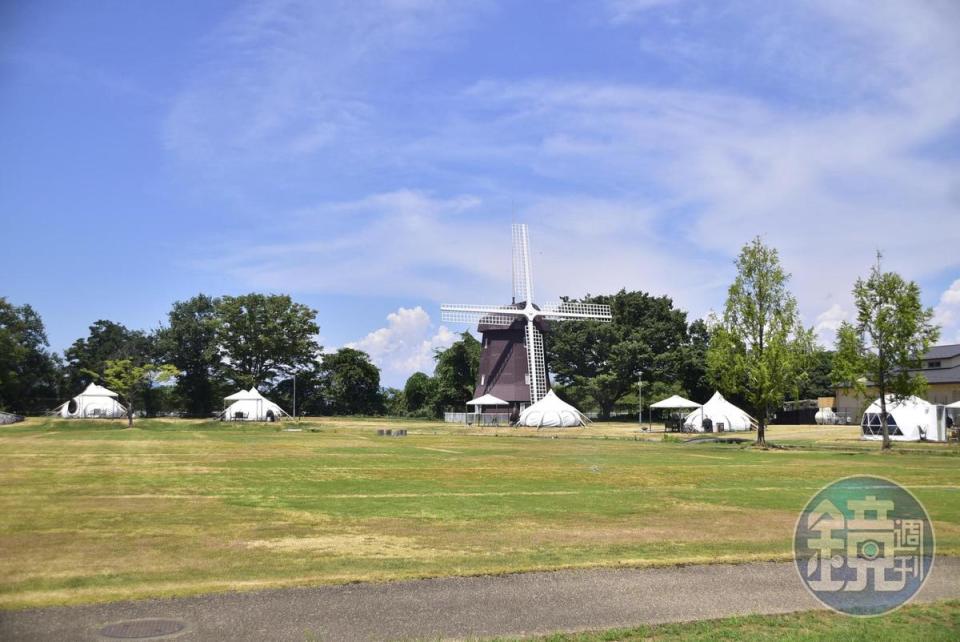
{"points": [[722, 414], [250, 405], [552, 412], [94, 401], [909, 419]]}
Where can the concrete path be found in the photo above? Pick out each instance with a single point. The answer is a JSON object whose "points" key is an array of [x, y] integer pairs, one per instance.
{"points": [[512, 605]]}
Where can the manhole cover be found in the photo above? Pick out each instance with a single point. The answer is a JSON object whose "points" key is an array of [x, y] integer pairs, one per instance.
{"points": [[140, 629]]}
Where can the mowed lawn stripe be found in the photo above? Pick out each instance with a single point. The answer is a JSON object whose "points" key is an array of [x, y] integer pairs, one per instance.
{"points": [[90, 511]]}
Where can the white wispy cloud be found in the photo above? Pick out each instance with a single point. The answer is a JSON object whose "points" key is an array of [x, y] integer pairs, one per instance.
{"points": [[645, 185], [947, 313], [406, 344]]}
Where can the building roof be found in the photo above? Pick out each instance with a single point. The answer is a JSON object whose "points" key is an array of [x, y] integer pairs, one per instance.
{"points": [[943, 352], [941, 375]]}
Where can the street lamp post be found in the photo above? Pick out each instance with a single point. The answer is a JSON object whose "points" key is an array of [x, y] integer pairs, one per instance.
{"points": [[640, 394]]}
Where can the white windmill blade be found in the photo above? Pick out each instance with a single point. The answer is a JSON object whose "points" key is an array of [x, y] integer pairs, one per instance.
{"points": [[536, 363], [522, 275], [487, 314], [572, 310]]}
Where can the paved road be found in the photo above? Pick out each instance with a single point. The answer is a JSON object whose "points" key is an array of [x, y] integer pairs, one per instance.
{"points": [[514, 605]]}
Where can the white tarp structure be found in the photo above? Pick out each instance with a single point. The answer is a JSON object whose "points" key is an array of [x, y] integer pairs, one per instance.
{"points": [[552, 412], [94, 401], [675, 402], [487, 400], [910, 419], [721, 413], [250, 405]]}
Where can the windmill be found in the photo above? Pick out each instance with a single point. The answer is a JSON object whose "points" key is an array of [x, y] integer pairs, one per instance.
{"points": [[512, 364]]}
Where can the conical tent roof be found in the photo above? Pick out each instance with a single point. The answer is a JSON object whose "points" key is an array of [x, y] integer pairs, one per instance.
{"points": [[93, 390], [719, 411], [552, 411], [95, 401], [250, 405]]}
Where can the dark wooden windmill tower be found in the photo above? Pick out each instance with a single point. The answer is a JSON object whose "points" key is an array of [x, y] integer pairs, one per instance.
{"points": [[512, 363]]}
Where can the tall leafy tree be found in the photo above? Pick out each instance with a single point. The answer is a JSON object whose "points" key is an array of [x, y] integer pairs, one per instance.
{"points": [[892, 332], [420, 394], [263, 336], [456, 372], [602, 361], [190, 344], [133, 382], [86, 358], [759, 348], [350, 383], [29, 373]]}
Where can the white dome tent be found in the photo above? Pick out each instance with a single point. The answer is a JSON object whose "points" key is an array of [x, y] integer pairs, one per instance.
{"points": [[722, 414], [909, 419], [94, 402], [250, 405], [552, 412]]}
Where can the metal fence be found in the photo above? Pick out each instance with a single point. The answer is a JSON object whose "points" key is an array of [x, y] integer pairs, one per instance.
{"points": [[474, 419]]}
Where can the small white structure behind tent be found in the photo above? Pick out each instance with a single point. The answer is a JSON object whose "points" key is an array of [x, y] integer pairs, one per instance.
{"points": [[909, 419], [94, 401], [722, 414], [250, 405], [552, 412]]}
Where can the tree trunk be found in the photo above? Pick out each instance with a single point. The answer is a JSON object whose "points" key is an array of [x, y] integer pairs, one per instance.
{"points": [[762, 429], [129, 415], [883, 411]]}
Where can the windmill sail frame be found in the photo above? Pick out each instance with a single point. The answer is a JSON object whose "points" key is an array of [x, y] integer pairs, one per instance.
{"points": [[504, 319]]}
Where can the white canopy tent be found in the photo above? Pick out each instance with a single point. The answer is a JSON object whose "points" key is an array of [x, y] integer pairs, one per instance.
{"points": [[722, 414], [94, 401], [486, 400], [909, 419], [675, 402], [552, 412], [250, 405]]}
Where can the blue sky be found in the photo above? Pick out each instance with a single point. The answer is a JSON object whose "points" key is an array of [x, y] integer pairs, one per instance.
{"points": [[368, 157]]}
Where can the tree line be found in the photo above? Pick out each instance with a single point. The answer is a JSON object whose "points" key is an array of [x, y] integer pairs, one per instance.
{"points": [[757, 352]]}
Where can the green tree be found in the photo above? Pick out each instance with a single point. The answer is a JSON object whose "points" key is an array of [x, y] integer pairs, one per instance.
{"points": [[190, 344], [420, 394], [350, 383], [602, 361], [817, 379], [456, 372], [29, 373], [759, 348], [891, 335], [132, 381], [393, 401], [108, 341], [264, 336]]}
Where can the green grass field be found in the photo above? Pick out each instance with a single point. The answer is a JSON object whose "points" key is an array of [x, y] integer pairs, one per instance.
{"points": [[91, 511], [923, 623]]}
